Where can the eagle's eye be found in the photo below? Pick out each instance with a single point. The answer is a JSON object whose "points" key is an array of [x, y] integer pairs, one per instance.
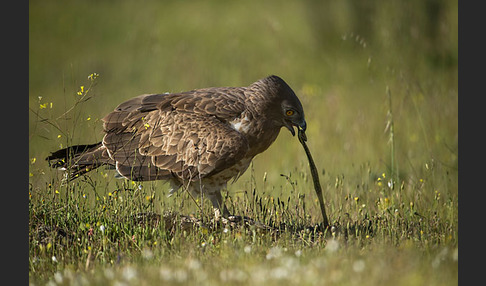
{"points": [[289, 112]]}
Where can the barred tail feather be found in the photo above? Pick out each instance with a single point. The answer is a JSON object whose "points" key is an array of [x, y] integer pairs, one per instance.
{"points": [[79, 159]]}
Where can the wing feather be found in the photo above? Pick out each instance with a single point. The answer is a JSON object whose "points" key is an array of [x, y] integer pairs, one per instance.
{"points": [[186, 135]]}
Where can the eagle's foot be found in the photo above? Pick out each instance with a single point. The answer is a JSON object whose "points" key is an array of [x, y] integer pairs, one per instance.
{"points": [[236, 220], [240, 219]]}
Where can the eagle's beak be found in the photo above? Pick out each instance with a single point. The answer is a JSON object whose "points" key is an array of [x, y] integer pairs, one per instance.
{"points": [[302, 125], [290, 126]]}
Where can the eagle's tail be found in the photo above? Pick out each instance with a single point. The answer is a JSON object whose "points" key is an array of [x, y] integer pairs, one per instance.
{"points": [[78, 159]]}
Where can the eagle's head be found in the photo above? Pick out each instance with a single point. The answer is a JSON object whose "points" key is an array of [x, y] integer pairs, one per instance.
{"points": [[286, 108]]}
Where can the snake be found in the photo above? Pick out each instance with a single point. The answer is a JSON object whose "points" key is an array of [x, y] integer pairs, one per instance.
{"points": [[315, 176]]}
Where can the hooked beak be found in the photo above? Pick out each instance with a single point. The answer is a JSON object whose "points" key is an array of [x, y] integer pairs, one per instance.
{"points": [[290, 126]]}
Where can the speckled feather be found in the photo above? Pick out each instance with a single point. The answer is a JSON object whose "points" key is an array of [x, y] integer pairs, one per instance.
{"points": [[206, 135]]}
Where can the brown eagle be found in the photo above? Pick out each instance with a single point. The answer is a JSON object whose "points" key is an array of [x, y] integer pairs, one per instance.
{"points": [[197, 140]]}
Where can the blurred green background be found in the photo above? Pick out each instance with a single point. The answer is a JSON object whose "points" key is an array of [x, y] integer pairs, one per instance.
{"points": [[338, 56]]}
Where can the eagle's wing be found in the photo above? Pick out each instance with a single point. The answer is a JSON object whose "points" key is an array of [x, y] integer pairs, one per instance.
{"points": [[186, 135]]}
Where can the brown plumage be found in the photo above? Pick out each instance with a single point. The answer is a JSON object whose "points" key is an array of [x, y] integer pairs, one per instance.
{"points": [[198, 139]]}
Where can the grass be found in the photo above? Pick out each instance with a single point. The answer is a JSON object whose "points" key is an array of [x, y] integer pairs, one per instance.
{"points": [[381, 236], [379, 87]]}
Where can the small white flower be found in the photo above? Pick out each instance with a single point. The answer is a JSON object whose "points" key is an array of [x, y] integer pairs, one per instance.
{"points": [[129, 273], [165, 273], [147, 254], [193, 264], [332, 245], [279, 273], [180, 275], [274, 252], [109, 274], [58, 277], [359, 265]]}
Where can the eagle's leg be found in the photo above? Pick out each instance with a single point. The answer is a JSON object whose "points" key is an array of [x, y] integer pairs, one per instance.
{"points": [[219, 206], [222, 213]]}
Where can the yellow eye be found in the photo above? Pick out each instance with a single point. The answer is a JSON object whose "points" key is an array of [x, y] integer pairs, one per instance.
{"points": [[289, 112]]}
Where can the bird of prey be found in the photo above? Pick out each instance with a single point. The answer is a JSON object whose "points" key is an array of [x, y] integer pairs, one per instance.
{"points": [[196, 140]]}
